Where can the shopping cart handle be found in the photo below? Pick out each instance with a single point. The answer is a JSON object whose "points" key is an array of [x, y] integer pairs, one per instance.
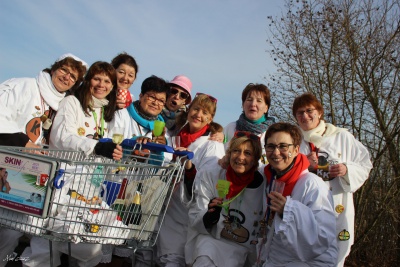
{"points": [[152, 147], [149, 145], [57, 182], [188, 154]]}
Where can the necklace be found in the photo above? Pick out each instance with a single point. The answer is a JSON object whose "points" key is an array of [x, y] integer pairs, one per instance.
{"points": [[265, 223], [99, 130]]}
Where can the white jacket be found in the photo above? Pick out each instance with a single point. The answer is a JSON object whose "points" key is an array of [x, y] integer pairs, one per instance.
{"points": [[306, 231], [342, 147]]}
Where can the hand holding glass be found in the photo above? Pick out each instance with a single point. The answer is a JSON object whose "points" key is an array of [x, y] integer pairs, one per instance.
{"points": [[118, 135], [277, 186], [158, 127]]}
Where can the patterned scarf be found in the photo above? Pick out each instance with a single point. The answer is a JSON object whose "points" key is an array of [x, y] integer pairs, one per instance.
{"points": [[290, 176], [238, 182], [243, 124]]}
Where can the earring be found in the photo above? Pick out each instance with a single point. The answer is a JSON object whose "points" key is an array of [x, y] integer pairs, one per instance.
{"points": [[290, 155]]}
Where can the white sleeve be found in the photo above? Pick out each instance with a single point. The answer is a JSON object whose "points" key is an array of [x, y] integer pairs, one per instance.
{"points": [[307, 228], [64, 133], [357, 159]]}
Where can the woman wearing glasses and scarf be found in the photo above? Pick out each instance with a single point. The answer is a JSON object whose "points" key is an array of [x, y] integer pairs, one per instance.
{"points": [[27, 107], [300, 221], [256, 101], [336, 157], [224, 218], [28, 103], [194, 128], [138, 118]]}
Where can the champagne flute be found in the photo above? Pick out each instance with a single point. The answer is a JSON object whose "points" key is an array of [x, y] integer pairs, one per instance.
{"points": [[118, 135], [117, 138]]}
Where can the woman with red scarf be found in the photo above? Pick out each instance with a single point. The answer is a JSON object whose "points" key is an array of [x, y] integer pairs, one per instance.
{"points": [[228, 205], [194, 128], [301, 221]]}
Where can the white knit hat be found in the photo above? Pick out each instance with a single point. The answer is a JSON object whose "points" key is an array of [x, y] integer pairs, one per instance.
{"points": [[74, 57]]}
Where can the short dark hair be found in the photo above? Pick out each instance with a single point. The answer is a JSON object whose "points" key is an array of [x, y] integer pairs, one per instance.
{"points": [[285, 127], [307, 99], [154, 84], [125, 58], [257, 87]]}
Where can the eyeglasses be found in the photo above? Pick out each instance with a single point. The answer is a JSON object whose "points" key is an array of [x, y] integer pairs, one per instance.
{"points": [[309, 111], [64, 71], [247, 134], [153, 98], [281, 147], [213, 99], [181, 94]]}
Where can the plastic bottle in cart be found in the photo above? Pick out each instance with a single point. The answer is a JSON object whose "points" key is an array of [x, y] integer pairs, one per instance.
{"points": [[133, 213], [119, 203]]}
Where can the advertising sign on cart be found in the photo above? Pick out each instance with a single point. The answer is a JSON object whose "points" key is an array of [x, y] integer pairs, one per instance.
{"points": [[24, 183]]}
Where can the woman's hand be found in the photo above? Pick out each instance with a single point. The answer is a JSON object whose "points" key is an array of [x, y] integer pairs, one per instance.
{"points": [[218, 136], [278, 202], [159, 139], [312, 158], [215, 202], [223, 162], [117, 153], [120, 102], [337, 170]]}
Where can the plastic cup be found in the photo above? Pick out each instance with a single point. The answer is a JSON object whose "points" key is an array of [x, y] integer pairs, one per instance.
{"points": [[176, 141], [277, 186], [158, 127], [122, 93], [223, 188]]}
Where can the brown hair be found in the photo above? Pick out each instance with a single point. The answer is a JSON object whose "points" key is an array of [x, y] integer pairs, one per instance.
{"points": [[237, 141], [256, 87], [307, 99], [84, 95], [285, 127], [125, 58], [73, 64]]}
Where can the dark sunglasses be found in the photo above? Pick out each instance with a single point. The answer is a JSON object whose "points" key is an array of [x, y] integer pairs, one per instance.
{"points": [[182, 95], [213, 99], [248, 135]]}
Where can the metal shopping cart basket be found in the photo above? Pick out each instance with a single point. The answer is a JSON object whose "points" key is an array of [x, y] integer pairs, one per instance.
{"points": [[69, 197]]}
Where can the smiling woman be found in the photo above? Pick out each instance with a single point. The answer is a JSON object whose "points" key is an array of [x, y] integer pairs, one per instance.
{"points": [[305, 200], [224, 228]]}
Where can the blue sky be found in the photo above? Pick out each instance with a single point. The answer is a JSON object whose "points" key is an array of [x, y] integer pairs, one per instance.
{"points": [[220, 45]]}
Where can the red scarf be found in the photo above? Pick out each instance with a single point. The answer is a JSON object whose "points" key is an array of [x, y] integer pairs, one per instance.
{"points": [[290, 178], [187, 138], [238, 182]]}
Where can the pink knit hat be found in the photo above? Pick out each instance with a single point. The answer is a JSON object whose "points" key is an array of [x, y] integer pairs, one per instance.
{"points": [[185, 84]]}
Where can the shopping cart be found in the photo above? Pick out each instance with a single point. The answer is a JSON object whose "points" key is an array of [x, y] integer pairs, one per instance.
{"points": [[66, 196]]}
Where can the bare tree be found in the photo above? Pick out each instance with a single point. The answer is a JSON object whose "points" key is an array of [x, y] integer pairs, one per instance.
{"points": [[346, 52]]}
